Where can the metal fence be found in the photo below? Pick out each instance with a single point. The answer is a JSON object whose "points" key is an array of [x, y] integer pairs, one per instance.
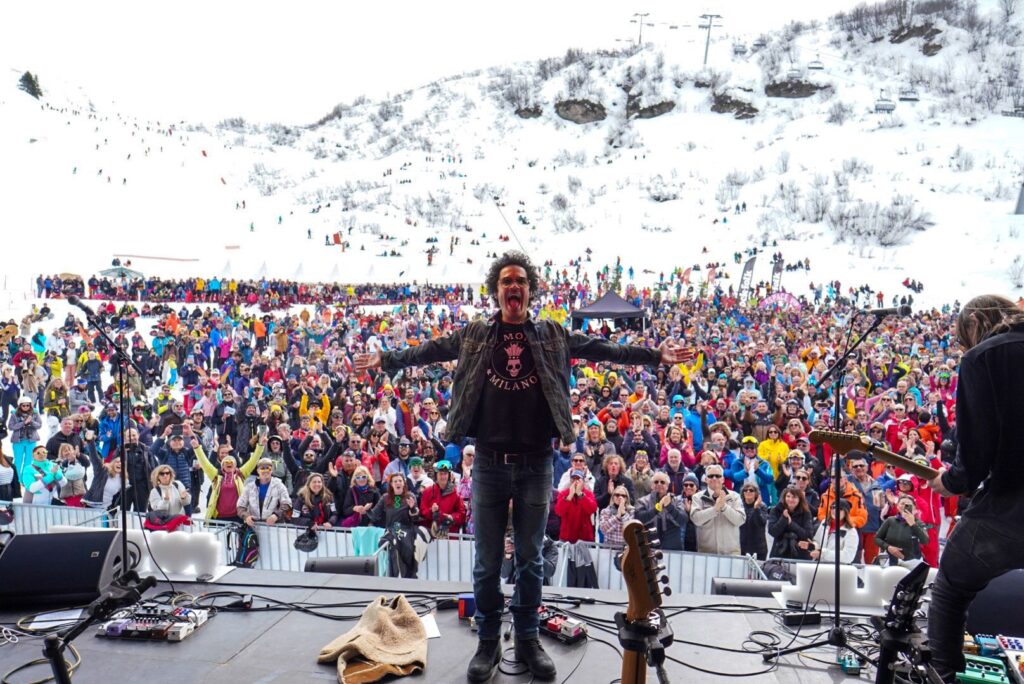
{"points": [[446, 559]]}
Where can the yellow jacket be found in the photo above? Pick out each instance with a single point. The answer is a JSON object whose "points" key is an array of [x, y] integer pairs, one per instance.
{"points": [[216, 480], [775, 451]]}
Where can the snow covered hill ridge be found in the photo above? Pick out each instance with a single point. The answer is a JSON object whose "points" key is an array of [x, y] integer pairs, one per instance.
{"points": [[883, 144]]}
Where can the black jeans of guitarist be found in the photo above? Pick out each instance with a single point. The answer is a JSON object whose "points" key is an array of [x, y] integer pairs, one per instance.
{"points": [[978, 551]]}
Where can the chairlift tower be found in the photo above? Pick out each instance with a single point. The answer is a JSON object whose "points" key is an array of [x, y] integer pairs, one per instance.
{"points": [[710, 19]]}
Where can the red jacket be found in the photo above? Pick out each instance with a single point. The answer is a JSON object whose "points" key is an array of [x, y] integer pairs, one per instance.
{"points": [[576, 515], [624, 420], [447, 504]]}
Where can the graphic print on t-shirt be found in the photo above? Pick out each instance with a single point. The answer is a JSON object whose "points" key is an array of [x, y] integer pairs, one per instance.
{"points": [[512, 365]]}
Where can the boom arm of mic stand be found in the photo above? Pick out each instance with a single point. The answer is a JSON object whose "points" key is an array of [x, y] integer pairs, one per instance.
{"points": [[118, 352], [841, 361]]}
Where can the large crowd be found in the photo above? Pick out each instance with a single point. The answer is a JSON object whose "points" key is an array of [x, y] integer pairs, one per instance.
{"points": [[257, 416]]}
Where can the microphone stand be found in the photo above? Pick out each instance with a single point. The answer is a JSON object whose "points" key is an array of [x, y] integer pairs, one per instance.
{"points": [[837, 636], [123, 360]]}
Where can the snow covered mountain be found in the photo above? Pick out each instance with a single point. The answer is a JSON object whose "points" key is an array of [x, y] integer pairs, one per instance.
{"points": [[873, 145]]}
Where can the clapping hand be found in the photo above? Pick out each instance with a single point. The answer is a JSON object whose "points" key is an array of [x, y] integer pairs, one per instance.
{"points": [[672, 353]]}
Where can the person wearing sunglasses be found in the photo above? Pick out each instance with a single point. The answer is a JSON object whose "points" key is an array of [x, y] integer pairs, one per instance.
{"points": [[752, 468], [718, 514], [666, 511], [265, 499], [614, 516]]}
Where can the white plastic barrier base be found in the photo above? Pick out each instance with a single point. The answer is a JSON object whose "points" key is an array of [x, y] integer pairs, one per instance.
{"points": [[872, 598], [181, 555]]}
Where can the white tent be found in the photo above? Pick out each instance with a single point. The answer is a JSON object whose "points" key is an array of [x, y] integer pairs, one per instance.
{"points": [[226, 271], [262, 273], [298, 273], [334, 275]]}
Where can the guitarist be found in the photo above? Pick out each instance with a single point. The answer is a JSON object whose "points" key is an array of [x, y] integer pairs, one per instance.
{"points": [[989, 540]]}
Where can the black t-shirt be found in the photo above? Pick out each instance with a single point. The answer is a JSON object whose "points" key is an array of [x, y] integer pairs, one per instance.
{"points": [[513, 414]]}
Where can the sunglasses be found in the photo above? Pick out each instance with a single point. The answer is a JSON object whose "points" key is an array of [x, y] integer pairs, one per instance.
{"points": [[618, 496], [690, 485], [579, 460], [858, 466], [801, 477], [713, 477], [265, 468], [361, 477], [660, 482]]}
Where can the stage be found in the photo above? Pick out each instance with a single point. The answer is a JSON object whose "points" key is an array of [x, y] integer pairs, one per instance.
{"points": [[282, 647]]}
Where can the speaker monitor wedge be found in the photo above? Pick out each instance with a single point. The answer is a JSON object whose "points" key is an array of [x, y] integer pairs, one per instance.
{"points": [[58, 569]]}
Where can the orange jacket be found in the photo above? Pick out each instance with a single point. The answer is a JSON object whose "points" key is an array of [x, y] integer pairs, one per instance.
{"points": [[858, 514]]}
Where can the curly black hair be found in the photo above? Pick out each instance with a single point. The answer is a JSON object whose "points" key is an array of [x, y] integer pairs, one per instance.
{"points": [[513, 258]]}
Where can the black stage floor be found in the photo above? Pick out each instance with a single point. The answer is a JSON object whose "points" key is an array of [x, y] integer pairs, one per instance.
{"points": [[279, 647]]}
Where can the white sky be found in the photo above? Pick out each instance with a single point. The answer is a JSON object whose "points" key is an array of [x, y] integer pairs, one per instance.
{"points": [[293, 61]]}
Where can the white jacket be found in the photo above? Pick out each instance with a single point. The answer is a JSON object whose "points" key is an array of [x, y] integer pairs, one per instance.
{"points": [[718, 531], [172, 505], [276, 501]]}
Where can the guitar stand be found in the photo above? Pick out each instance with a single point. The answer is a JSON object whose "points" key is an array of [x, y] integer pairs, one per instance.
{"points": [[648, 640], [913, 645]]}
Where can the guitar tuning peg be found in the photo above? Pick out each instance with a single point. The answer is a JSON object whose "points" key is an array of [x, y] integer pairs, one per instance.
{"points": [[658, 555], [667, 591], [663, 579], [659, 568]]}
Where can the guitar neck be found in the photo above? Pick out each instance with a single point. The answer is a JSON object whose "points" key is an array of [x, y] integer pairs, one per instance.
{"points": [[911, 466], [634, 668]]}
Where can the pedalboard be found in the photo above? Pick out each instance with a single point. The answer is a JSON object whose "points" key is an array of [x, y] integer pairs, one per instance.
{"points": [[982, 670], [557, 625], [154, 622], [1012, 649]]}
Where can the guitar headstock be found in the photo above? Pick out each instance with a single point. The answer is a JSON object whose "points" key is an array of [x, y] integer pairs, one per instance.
{"points": [[640, 570], [842, 442]]}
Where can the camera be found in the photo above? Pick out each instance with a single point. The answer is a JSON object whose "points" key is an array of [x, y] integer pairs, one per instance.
{"points": [[176, 431]]}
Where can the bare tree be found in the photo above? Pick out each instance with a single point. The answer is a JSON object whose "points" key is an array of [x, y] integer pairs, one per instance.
{"points": [[1009, 7]]}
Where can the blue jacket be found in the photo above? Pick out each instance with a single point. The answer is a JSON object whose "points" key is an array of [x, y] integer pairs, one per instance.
{"points": [[180, 461], [762, 475]]}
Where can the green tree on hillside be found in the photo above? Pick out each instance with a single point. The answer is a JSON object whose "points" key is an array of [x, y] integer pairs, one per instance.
{"points": [[30, 84]]}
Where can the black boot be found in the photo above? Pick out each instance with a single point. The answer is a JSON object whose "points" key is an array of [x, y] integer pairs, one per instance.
{"points": [[530, 652], [484, 661]]}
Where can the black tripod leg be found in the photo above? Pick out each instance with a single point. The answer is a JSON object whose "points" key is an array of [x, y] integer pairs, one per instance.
{"points": [[795, 649]]}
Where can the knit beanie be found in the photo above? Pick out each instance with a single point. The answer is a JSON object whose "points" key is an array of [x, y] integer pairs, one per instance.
{"points": [[389, 639]]}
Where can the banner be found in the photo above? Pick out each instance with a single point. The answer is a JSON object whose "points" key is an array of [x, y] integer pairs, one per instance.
{"points": [[777, 275], [686, 276], [748, 274], [781, 300], [712, 272]]}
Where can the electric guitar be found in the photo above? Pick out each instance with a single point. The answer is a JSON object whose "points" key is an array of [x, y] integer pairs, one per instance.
{"points": [[844, 442], [638, 633]]}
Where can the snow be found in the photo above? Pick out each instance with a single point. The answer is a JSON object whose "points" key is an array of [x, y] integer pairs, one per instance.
{"points": [[451, 146]]}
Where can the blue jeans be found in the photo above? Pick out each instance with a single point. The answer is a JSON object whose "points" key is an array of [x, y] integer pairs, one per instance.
{"points": [[528, 487], [977, 552]]}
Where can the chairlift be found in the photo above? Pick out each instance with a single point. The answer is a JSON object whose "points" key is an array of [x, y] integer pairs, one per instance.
{"points": [[760, 44], [908, 94], [739, 49], [883, 105], [816, 65], [793, 74]]}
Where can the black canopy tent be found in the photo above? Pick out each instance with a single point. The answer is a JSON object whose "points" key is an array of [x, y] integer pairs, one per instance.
{"points": [[610, 306]]}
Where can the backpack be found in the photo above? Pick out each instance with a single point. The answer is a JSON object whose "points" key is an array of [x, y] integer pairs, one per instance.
{"points": [[246, 545]]}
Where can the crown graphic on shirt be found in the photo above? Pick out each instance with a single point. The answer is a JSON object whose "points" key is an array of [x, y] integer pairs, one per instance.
{"points": [[514, 350]]}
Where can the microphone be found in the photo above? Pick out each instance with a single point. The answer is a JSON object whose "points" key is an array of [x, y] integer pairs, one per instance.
{"points": [[881, 313], [75, 300]]}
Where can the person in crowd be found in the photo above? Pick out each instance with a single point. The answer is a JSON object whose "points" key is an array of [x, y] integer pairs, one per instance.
{"points": [[575, 506], [858, 514], [23, 427], [902, 536], [104, 489], [614, 475], [790, 523], [313, 505], [753, 540], [7, 478], [873, 498], [226, 482], [398, 513], [265, 499], [442, 510], [640, 473], [361, 496], [167, 497], [74, 487], [666, 511], [418, 479], [614, 516], [41, 478], [793, 463], [823, 545], [718, 514], [753, 468], [773, 449], [691, 486]]}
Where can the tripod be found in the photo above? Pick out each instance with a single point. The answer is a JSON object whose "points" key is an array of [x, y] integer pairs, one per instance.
{"points": [[837, 636]]}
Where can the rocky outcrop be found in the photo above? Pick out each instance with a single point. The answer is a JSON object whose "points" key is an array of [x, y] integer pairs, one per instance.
{"points": [[531, 112], [793, 89], [580, 111], [652, 111], [723, 104]]}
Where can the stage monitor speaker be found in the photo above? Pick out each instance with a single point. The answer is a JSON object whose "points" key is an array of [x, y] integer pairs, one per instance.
{"points": [[988, 613], [357, 565], [58, 569], [745, 587]]}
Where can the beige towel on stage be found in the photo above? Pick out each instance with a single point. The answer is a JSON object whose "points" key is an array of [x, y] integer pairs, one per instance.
{"points": [[389, 639]]}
